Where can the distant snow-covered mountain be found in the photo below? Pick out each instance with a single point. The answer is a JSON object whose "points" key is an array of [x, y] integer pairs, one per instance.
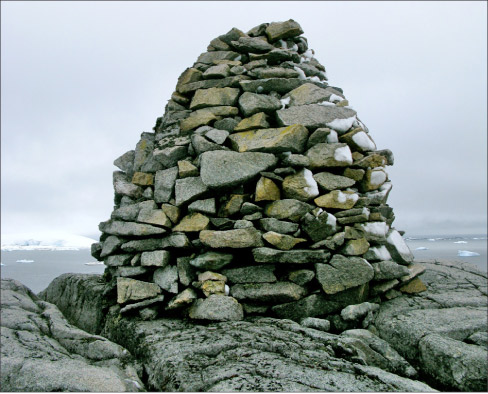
{"points": [[45, 241]]}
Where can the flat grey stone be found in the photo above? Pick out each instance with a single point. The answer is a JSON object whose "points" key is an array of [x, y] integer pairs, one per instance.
{"points": [[328, 181], [343, 273], [267, 85], [217, 308], [164, 184], [168, 157], [172, 241], [203, 206], [157, 258], [227, 169], [211, 260], [125, 162], [167, 278], [189, 189], [297, 256], [250, 274], [252, 103], [318, 324], [268, 292], [127, 229], [278, 226], [315, 116]]}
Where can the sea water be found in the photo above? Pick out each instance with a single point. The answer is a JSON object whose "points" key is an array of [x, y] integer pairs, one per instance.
{"points": [[37, 268], [450, 247]]}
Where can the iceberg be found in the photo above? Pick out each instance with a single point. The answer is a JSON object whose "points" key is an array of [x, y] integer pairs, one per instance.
{"points": [[467, 253], [45, 241], [25, 261], [422, 248]]}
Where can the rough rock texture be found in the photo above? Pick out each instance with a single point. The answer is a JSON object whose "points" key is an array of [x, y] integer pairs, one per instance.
{"points": [[415, 337], [263, 355], [41, 351], [430, 329], [80, 298]]}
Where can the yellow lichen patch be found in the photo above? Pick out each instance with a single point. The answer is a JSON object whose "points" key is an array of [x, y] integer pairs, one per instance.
{"points": [[413, 287], [266, 190], [143, 179]]}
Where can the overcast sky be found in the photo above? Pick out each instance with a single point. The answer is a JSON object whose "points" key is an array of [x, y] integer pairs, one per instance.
{"points": [[81, 80]]}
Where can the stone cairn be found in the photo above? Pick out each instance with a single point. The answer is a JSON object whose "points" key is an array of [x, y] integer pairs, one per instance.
{"points": [[260, 192]]}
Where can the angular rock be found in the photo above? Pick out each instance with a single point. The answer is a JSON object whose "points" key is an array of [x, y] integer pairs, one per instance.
{"points": [[250, 274], [213, 261], [217, 308], [155, 217], [398, 248], [278, 226], [326, 155], [201, 144], [213, 83], [117, 260], [110, 245], [164, 184], [282, 241], [193, 222], [413, 287], [172, 212], [319, 227], [232, 205], [337, 199], [388, 270], [300, 186], [168, 157], [125, 188], [239, 238], [373, 179], [227, 169], [158, 258], [266, 190], [214, 97], [301, 277], [203, 206], [217, 136], [172, 241], [218, 71], [359, 311], [167, 278], [185, 298], [359, 141], [329, 182], [251, 103], [135, 290], [210, 57], [142, 304], [287, 209], [126, 229], [286, 139], [189, 189], [314, 116], [309, 93], [252, 45], [355, 247], [256, 121], [125, 162], [267, 85], [282, 30], [268, 292], [304, 256], [142, 179], [276, 72], [343, 273], [318, 324], [186, 169]]}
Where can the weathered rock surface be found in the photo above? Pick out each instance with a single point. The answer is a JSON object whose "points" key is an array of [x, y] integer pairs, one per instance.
{"points": [[453, 308], [267, 355], [42, 352]]}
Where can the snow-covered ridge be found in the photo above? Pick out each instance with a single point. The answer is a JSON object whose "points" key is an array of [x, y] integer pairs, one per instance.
{"points": [[45, 241]]}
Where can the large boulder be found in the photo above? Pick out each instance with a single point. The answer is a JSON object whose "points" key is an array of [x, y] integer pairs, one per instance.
{"points": [[41, 351]]}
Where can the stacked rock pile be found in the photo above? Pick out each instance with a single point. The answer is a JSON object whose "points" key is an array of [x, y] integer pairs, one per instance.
{"points": [[259, 192]]}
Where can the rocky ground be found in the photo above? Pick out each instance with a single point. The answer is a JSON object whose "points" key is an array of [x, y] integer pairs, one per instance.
{"points": [[433, 340]]}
